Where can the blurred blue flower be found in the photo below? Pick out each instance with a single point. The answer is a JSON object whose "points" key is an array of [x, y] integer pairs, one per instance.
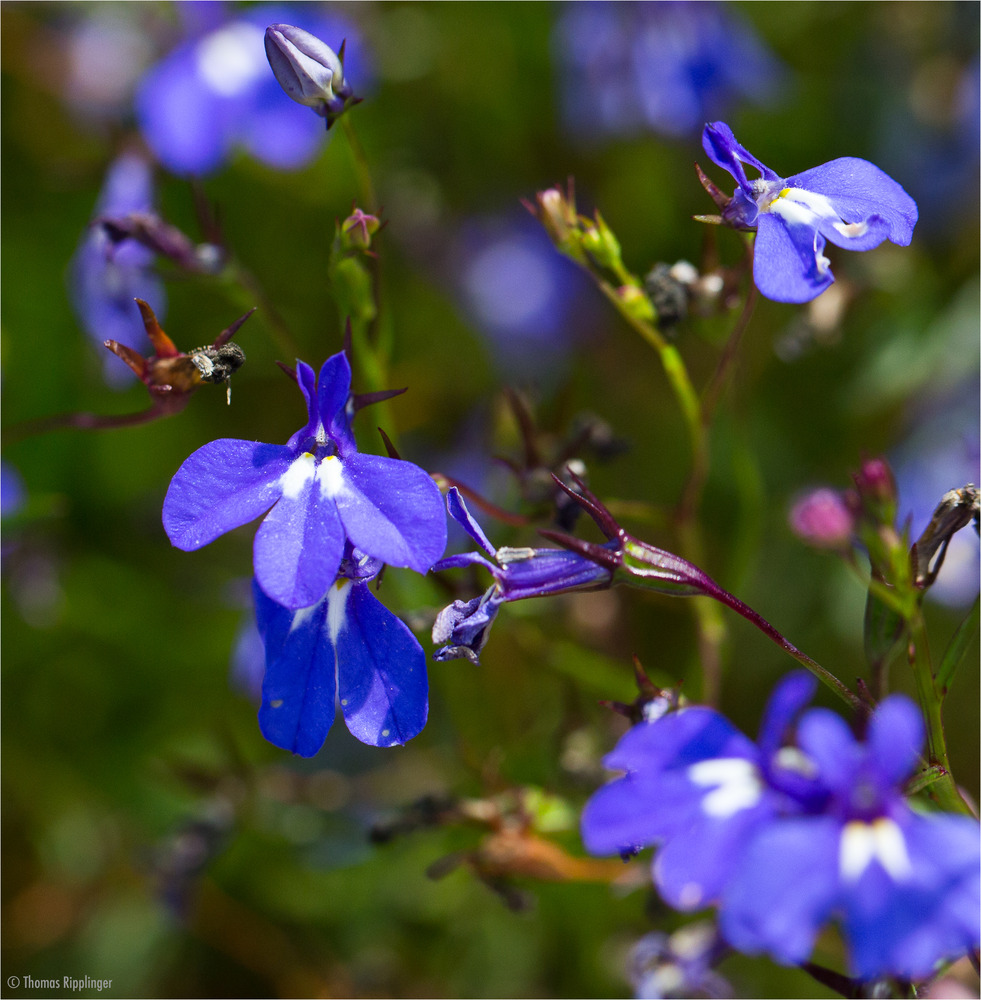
{"points": [[248, 661], [936, 142], [323, 494], [848, 201], [941, 454], [679, 964], [519, 573], [805, 826], [348, 647], [667, 67], [105, 275], [700, 789], [215, 92], [13, 494], [529, 301]]}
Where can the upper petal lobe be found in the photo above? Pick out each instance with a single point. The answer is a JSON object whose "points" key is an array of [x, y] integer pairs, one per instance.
{"points": [[392, 510], [221, 486]]}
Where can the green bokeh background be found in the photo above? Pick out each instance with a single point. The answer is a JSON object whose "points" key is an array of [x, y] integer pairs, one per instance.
{"points": [[122, 737]]}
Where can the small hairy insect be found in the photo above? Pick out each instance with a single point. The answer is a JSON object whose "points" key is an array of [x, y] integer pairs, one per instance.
{"points": [[218, 364]]}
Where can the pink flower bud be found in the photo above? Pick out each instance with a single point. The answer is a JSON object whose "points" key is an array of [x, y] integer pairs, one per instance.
{"points": [[822, 518]]}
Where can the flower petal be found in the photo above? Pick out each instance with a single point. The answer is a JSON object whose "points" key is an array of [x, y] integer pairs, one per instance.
{"points": [[859, 191], [183, 120], [458, 511], [787, 700], [826, 739], [619, 818], [383, 688], [464, 559], [392, 510], [298, 687], [692, 869], [679, 739], [333, 390], [307, 382], [783, 890], [895, 737], [788, 265], [299, 545], [723, 149], [465, 626], [225, 484]]}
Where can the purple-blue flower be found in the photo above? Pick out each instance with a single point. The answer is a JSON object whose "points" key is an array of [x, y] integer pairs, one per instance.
{"points": [[805, 827], [903, 884], [699, 788], [347, 648], [215, 92], [323, 494], [530, 303], [664, 66], [105, 276], [848, 201], [518, 573]]}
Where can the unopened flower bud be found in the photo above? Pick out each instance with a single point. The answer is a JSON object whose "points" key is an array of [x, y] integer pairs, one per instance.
{"points": [[309, 71], [557, 212], [635, 302], [601, 244], [823, 519], [358, 228], [877, 490]]}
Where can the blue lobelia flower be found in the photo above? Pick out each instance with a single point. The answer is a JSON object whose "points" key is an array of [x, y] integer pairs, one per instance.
{"points": [[215, 92], [323, 494], [699, 788], [105, 276], [518, 573], [904, 884], [848, 201], [347, 647]]}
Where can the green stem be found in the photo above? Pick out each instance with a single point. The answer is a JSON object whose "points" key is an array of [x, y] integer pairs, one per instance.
{"points": [[677, 375], [710, 624], [943, 790], [366, 189]]}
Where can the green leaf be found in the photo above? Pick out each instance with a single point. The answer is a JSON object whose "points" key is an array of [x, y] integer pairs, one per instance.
{"points": [[962, 638]]}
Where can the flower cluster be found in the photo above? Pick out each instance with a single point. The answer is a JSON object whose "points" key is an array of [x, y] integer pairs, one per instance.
{"points": [[804, 826], [337, 515], [848, 201]]}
